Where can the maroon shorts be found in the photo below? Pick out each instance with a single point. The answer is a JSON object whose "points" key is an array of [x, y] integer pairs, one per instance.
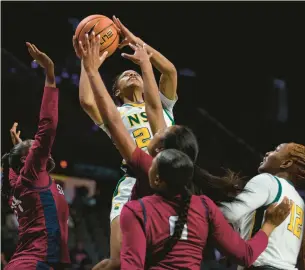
{"points": [[27, 265]]}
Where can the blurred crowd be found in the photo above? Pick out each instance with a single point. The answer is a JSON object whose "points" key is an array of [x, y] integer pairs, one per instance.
{"points": [[88, 230]]}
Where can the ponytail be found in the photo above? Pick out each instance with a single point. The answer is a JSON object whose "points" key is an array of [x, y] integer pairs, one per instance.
{"points": [[171, 241], [219, 189]]}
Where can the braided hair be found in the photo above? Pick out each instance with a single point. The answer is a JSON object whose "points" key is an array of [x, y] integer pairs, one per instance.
{"points": [[176, 170], [117, 100], [219, 189], [297, 153]]}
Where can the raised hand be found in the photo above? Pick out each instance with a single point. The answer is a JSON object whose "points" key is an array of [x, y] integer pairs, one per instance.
{"points": [[15, 135], [90, 53], [41, 58], [128, 37], [140, 54], [277, 213], [76, 46]]}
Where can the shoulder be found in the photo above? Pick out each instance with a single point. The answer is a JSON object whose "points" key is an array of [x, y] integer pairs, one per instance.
{"points": [[263, 180], [137, 207], [166, 102], [122, 109], [166, 99], [207, 201], [134, 206]]}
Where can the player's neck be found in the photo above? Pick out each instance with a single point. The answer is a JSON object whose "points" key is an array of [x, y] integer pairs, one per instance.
{"points": [[286, 176], [134, 97]]}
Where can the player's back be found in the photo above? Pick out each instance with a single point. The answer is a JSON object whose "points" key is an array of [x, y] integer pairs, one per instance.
{"points": [[42, 216], [285, 241], [161, 215]]}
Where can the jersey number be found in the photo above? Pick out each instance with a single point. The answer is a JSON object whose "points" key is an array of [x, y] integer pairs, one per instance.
{"points": [[142, 137], [60, 190], [172, 223], [296, 220]]}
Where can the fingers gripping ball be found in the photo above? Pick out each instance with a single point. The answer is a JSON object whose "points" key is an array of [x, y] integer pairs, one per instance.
{"points": [[102, 26]]}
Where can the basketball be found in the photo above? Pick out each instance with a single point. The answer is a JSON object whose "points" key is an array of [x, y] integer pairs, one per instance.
{"points": [[102, 26]]}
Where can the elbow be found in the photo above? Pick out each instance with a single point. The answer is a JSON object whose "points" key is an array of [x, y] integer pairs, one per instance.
{"points": [[249, 257], [111, 118], [47, 128], [52, 127], [247, 262], [153, 108], [171, 70], [86, 104]]}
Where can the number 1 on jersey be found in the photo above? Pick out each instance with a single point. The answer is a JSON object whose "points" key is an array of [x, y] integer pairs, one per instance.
{"points": [[296, 220], [172, 223]]}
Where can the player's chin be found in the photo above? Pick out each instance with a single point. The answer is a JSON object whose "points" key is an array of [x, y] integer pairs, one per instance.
{"points": [[134, 83], [262, 168]]}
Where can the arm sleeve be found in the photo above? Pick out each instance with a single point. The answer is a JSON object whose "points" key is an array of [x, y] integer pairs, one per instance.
{"points": [[40, 151], [140, 164], [12, 174], [230, 243], [168, 104], [260, 190], [133, 251]]}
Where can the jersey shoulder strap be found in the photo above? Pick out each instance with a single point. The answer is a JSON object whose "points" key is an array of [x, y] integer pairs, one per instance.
{"points": [[144, 214]]}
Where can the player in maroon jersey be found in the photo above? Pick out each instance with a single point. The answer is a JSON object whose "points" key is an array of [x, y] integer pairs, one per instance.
{"points": [[169, 230], [177, 137], [37, 201]]}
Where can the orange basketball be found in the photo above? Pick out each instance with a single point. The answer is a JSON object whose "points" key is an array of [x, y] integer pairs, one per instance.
{"points": [[102, 26]]}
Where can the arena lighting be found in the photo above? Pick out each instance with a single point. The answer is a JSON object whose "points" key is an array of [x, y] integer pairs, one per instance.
{"points": [[95, 128], [187, 72], [74, 22], [75, 79], [58, 79], [65, 74], [63, 164], [34, 64]]}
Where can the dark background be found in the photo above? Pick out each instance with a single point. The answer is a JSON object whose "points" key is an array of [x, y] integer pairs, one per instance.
{"points": [[235, 49]]}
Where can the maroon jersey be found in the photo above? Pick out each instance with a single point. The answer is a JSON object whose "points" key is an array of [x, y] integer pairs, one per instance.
{"points": [[38, 202], [140, 164], [147, 223]]}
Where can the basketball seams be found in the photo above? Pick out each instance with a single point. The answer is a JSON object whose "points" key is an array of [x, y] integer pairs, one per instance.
{"points": [[87, 24], [97, 17], [104, 29], [111, 43], [95, 21]]}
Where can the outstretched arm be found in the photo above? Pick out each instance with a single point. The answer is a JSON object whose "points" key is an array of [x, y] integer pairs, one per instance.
{"points": [[229, 241], [153, 104], [105, 104], [168, 79], [39, 153], [86, 96]]}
